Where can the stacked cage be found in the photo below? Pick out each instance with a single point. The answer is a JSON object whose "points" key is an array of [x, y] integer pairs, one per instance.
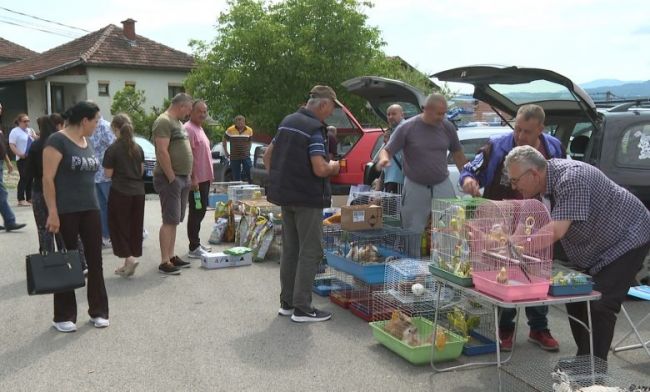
{"points": [[511, 249], [390, 204], [344, 287], [451, 237], [470, 318], [364, 254], [326, 277], [504, 248], [362, 304], [411, 296]]}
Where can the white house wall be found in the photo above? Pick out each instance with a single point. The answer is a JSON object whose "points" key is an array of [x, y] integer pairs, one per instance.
{"points": [[36, 104], [154, 84]]}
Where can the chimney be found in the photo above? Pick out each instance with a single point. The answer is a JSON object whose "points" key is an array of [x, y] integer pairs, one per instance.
{"points": [[128, 26]]}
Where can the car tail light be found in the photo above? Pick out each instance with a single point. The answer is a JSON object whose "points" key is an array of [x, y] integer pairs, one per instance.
{"points": [[343, 166]]}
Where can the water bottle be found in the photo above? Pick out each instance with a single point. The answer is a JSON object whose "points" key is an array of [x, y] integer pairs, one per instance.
{"points": [[197, 200]]}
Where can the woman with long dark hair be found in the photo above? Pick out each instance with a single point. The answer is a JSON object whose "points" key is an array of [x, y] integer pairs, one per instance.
{"points": [[124, 164], [69, 166], [47, 125]]}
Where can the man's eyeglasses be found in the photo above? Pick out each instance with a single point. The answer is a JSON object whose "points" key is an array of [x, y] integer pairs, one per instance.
{"points": [[25, 121], [514, 181]]}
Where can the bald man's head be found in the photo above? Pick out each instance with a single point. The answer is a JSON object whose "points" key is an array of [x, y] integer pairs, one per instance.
{"points": [[394, 115]]}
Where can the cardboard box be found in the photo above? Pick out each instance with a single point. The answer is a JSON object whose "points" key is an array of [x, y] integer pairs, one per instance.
{"points": [[221, 260], [361, 217]]}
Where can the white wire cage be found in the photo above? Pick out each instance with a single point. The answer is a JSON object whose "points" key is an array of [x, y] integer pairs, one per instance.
{"points": [[390, 203]]}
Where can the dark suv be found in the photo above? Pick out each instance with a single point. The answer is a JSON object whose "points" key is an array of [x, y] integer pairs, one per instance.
{"points": [[616, 140]]}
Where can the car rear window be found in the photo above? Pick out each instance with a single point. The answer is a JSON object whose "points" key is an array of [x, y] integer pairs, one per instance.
{"points": [[347, 135], [634, 147], [470, 148]]}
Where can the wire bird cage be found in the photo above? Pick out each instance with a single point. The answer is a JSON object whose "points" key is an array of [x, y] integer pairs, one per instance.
{"points": [[410, 288], [361, 301], [343, 287], [470, 318], [363, 254], [571, 374], [508, 243], [390, 203], [451, 255]]}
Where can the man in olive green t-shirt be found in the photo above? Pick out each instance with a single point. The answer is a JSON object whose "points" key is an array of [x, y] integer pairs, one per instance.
{"points": [[171, 177]]}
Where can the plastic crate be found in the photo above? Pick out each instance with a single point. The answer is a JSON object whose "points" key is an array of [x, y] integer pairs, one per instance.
{"points": [[479, 345], [420, 355], [369, 273], [564, 290], [576, 283], [214, 198], [515, 290], [465, 282]]}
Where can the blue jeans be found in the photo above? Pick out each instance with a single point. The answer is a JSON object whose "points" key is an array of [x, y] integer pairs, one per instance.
{"points": [[241, 169], [536, 315], [7, 215], [102, 189]]}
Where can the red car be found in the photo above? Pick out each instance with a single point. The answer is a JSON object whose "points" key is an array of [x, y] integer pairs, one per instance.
{"points": [[356, 144]]}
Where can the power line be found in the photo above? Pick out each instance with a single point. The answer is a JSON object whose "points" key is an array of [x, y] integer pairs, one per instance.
{"points": [[44, 20], [39, 29], [37, 25]]}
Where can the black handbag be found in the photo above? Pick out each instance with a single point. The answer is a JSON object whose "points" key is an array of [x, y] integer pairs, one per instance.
{"points": [[55, 272]]}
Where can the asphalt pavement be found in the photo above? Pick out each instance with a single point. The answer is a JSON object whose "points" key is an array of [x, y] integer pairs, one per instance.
{"points": [[218, 330]]}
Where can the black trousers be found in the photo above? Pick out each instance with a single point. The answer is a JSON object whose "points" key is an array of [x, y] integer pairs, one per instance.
{"points": [[125, 223], [87, 225], [195, 215], [613, 282], [25, 181]]}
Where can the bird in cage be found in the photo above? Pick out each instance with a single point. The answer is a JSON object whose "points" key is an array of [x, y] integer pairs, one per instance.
{"points": [[502, 276], [441, 339], [462, 322]]}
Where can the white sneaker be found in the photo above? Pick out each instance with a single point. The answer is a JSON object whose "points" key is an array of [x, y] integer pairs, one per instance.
{"points": [[206, 248], [106, 243], [99, 322], [64, 326], [196, 253]]}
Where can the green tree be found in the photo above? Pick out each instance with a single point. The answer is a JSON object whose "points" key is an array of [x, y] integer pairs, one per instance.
{"points": [[131, 101], [266, 56]]}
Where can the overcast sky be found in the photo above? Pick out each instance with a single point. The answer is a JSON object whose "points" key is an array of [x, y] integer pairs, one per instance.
{"points": [[581, 39]]}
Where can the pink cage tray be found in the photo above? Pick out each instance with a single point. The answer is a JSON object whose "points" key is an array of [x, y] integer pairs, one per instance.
{"points": [[517, 289]]}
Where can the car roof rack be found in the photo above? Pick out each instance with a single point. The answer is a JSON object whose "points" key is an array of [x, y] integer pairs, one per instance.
{"points": [[623, 105]]}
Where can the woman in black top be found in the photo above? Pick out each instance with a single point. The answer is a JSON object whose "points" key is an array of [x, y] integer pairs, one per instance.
{"points": [[47, 125], [124, 164], [69, 166]]}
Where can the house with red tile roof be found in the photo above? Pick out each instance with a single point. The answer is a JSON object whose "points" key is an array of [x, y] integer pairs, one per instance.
{"points": [[94, 67], [10, 52]]}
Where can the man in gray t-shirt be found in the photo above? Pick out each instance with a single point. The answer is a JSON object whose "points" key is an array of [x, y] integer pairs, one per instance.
{"points": [[425, 140]]}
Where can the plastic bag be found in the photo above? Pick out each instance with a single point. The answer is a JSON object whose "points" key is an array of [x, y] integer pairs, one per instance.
{"points": [[242, 231], [230, 230], [220, 211], [218, 231]]}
